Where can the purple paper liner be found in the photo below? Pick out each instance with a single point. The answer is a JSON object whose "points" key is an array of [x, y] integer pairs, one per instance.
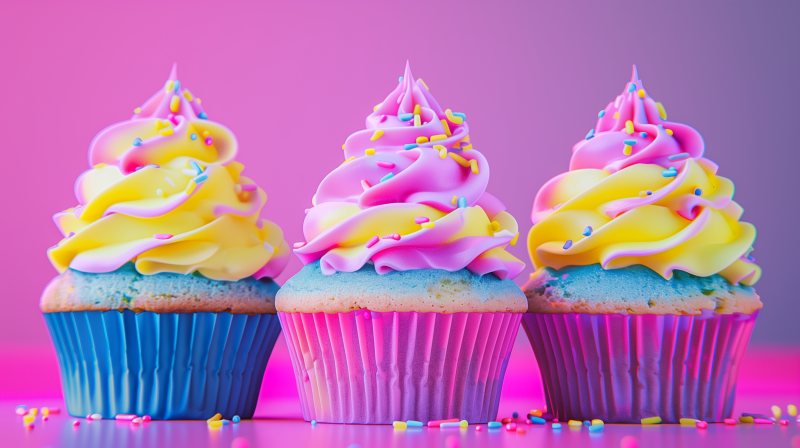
{"points": [[186, 366], [372, 367], [622, 369]]}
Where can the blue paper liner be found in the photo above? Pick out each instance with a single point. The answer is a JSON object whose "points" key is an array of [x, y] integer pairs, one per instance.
{"points": [[169, 366]]}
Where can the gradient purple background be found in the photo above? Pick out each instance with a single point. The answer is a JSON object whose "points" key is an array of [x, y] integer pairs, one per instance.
{"points": [[293, 80]]}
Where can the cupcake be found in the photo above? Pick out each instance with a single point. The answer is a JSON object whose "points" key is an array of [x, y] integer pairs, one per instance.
{"points": [[642, 302], [405, 308], [165, 301]]}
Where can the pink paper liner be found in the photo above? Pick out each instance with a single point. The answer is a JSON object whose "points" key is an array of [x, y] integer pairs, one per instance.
{"points": [[621, 369], [371, 367]]}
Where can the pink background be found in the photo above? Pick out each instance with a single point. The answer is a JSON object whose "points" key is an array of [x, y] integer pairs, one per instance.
{"points": [[294, 79]]}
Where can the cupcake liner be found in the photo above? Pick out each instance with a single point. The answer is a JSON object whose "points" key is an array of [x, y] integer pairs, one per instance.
{"points": [[622, 369], [168, 366], [372, 367]]}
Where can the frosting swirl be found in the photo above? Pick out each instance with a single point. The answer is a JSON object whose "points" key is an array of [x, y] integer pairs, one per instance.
{"points": [[640, 192], [165, 193], [410, 195]]}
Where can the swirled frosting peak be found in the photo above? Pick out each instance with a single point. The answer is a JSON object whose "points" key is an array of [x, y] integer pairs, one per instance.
{"points": [[640, 192], [411, 194], [165, 192]]}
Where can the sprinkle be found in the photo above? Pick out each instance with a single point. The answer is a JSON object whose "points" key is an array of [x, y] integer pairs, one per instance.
{"points": [[643, 134], [478, 428], [177, 86], [215, 424], [125, 416], [442, 152], [688, 422], [601, 114], [455, 119], [587, 423], [169, 85], [417, 109], [587, 231], [166, 132], [378, 133], [669, 173], [195, 166], [400, 79], [383, 164], [421, 219], [369, 152], [422, 140], [791, 410], [138, 110], [136, 421], [446, 128], [377, 106], [158, 236], [137, 141], [387, 177], [495, 226], [460, 114], [629, 127], [190, 187], [405, 117], [198, 100], [651, 420], [348, 159], [729, 421], [763, 421], [568, 244], [236, 419], [365, 185], [202, 115], [597, 428], [537, 420], [160, 193], [298, 245], [188, 172], [408, 146], [419, 80], [745, 419], [629, 142], [28, 420], [701, 425], [462, 202], [575, 423], [511, 426], [626, 150], [417, 121], [187, 95], [193, 136], [454, 201], [201, 179], [661, 111], [616, 115], [76, 423], [175, 103], [373, 241], [209, 141], [782, 422], [394, 236], [699, 192], [436, 423], [513, 241], [428, 225], [216, 417], [494, 425], [461, 161], [669, 131], [98, 416], [456, 424], [414, 423], [556, 425], [631, 87], [171, 118], [400, 425], [465, 148], [590, 134], [437, 137], [597, 421], [680, 156], [641, 93]]}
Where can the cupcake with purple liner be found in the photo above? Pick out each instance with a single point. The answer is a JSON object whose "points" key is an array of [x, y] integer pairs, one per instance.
{"points": [[642, 302], [405, 308], [165, 303]]}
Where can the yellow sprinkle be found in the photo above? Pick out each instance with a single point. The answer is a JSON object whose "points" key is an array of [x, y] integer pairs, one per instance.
{"points": [[687, 421], [439, 147], [467, 147], [175, 103], [661, 111], [437, 137], [342, 145], [206, 134], [791, 410], [495, 226], [189, 190], [461, 161], [215, 424], [629, 127], [417, 109], [422, 140], [513, 242], [776, 411], [99, 165], [187, 95], [474, 165], [33, 411], [370, 151], [376, 107], [399, 425], [454, 200], [747, 419], [616, 115], [138, 110], [161, 125], [463, 424], [423, 83], [28, 419], [347, 160], [198, 100], [651, 420], [169, 86], [417, 121], [597, 421], [669, 131], [428, 225], [446, 128], [376, 135], [442, 152], [575, 423], [45, 412], [216, 417], [165, 132], [641, 93], [627, 150], [453, 119]]}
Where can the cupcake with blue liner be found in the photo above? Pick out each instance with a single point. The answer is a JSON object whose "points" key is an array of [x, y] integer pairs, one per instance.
{"points": [[642, 302], [405, 308], [165, 301]]}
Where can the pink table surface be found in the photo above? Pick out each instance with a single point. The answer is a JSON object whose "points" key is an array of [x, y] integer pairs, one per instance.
{"points": [[29, 375]]}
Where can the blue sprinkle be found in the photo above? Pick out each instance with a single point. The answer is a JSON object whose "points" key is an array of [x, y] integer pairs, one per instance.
{"points": [[587, 423], [21, 406], [203, 115], [462, 203], [400, 79], [137, 141], [313, 423], [196, 167], [226, 422], [460, 114], [660, 126], [600, 115], [537, 420], [408, 146], [387, 177], [177, 85], [193, 136], [680, 156], [629, 142], [643, 134], [590, 134], [568, 244], [596, 428], [201, 179], [631, 87], [515, 414], [587, 231], [152, 165], [698, 192], [494, 424], [556, 425], [413, 423], [405, 117], [138, 168], [649, 192], [236, 419], [669, 173]]}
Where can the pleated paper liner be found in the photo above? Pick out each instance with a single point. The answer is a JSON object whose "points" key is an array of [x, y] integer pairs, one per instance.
{"points": [[371, 367], [168, 366], [621, 369]]}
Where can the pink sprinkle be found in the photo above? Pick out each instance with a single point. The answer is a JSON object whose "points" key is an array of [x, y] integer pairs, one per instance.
{"points": [[763, 421], [383, 164], [30, 425], [511, 426], [46, 418], [162, 236], [209, 141], [136, 421], [394, 236], [125, 416], [373, 241], [701, 425], [249, 187], [421, 220], [171, 117], [89, 417], [784, 422], [365, 185], [298, 245], [555, 420], [729, 421], [527, 421], [383, 118], [367, 315], [22, 411], [478, 428], [146, 418], [76, 423]]}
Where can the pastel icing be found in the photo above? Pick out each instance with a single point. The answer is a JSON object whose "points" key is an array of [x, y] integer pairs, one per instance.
{"points": [[165, 192], [640, 192], [411, 194]]}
